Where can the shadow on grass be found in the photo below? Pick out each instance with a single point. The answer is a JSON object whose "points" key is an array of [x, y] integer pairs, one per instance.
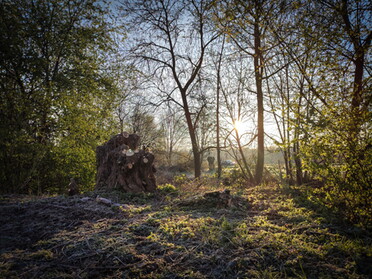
{"points": [[350, 240]]}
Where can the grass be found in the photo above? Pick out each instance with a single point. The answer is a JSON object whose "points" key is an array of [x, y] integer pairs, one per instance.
{"points": [[273, 231]]}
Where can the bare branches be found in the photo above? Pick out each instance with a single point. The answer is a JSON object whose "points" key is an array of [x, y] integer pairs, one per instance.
{"points": [[173, 47]]}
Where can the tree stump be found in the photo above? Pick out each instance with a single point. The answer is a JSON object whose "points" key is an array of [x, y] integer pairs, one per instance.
{"points": [[210, 160], [121, 165], [73, 188]]}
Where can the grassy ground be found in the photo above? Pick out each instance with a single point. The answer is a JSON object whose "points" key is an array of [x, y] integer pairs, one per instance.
{"points": [[269, 231]]}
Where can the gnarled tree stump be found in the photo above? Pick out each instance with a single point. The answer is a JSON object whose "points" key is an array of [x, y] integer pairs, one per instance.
{"points": [[121, 165]]}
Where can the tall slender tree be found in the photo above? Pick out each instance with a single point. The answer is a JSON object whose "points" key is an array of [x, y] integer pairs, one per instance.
{"points": [[246, 23], [218, 91]]}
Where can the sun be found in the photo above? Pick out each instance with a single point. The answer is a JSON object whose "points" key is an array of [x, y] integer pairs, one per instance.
{"points": [[239, 126]]}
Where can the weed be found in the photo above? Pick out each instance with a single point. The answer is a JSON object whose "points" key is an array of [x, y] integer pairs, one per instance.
{"points": [[180, 179], [167, 189]]}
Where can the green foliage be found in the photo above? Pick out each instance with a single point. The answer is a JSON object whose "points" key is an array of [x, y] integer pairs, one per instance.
{"points": [[180, 179], [186, 227], [328, 116], [56, 98], [343, 160], [167, 189]]}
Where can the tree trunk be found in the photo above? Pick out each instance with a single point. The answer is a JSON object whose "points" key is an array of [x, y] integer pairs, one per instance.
{"points": [[290, 169], [241, 151], [361, 49], [356, 108], [358, 81], [260, 108], [298, 163], [170, 155], [121, 165], [219, 167], [191, 129], [296, 144]]}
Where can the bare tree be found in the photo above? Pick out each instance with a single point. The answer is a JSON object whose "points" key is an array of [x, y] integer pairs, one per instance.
{"points": [[246, 24], [237, 109], [174, 130], [218, 91], [171, 40]]}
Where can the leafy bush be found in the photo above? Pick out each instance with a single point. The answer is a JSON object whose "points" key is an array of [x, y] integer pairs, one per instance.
{"points": [[343, 161]]}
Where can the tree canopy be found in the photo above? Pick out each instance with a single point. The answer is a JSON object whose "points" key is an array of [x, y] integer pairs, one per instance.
{"points": [[57, 94]]}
